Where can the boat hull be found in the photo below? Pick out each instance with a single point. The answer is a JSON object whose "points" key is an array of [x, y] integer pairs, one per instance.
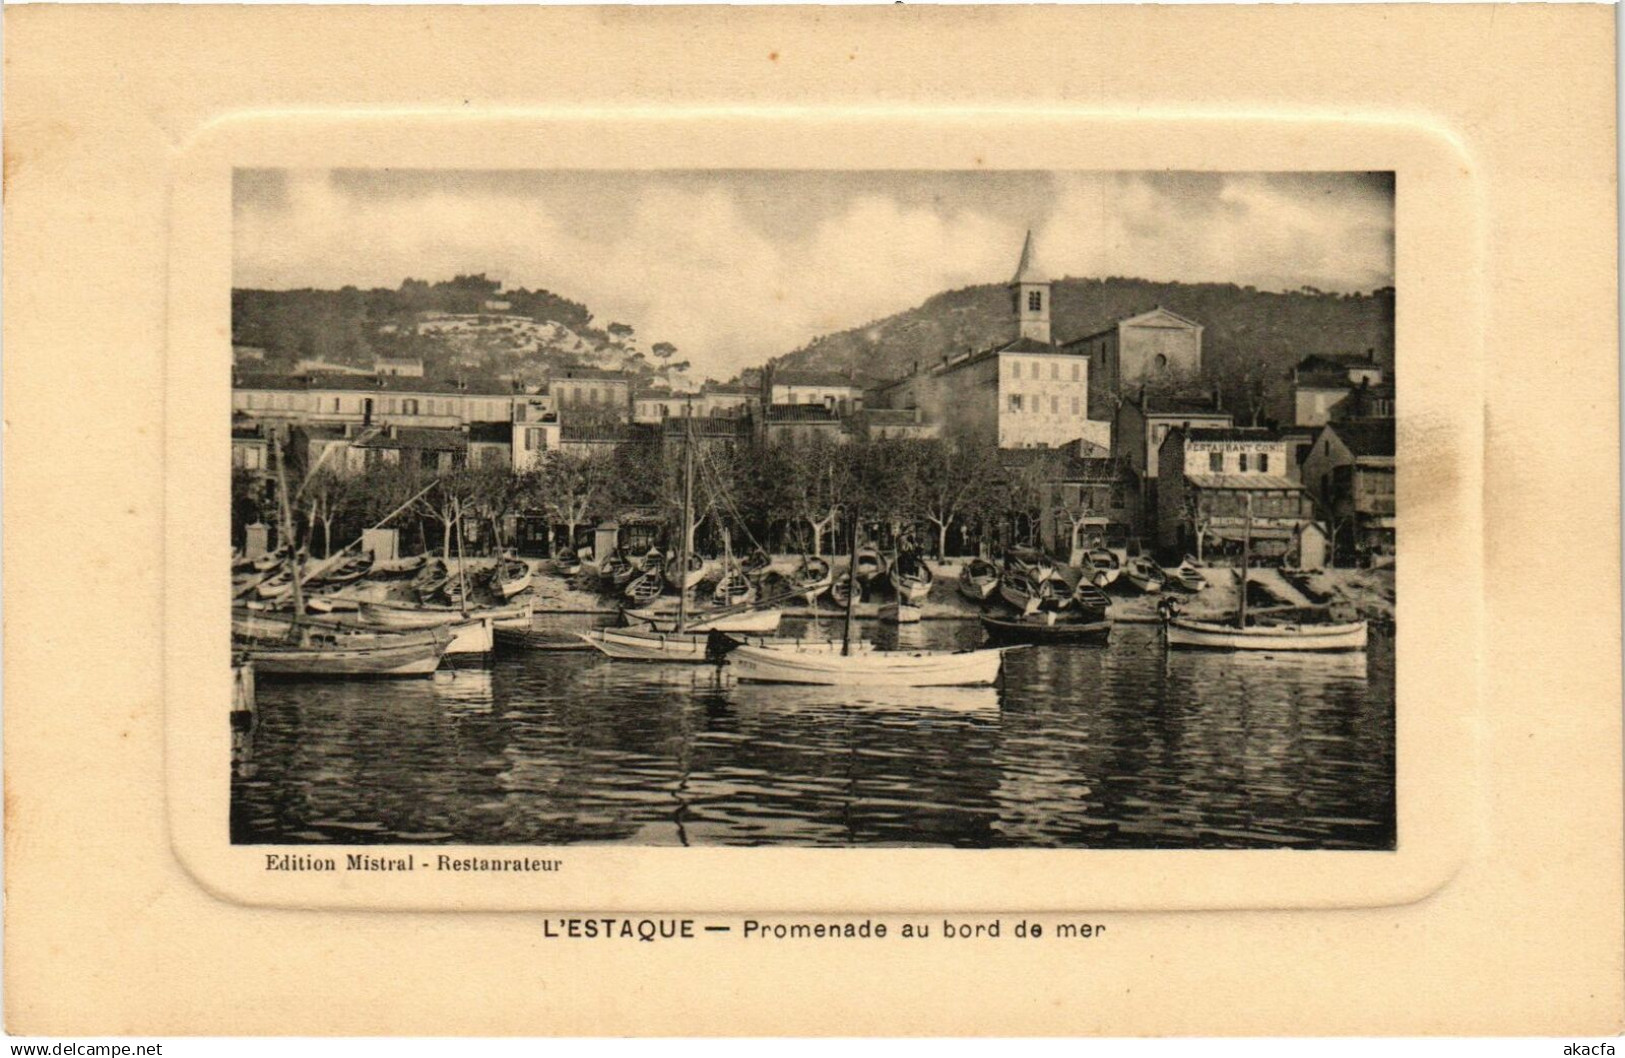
{"points": [[624, 644], [410, 659], [1204, 635], [1045, 629], [764, 621], [769, 664]]}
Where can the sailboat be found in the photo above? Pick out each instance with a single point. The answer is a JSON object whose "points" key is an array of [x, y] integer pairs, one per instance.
{"points": [[682, 643], [791, 661], [1214, 635], [300, 649]]}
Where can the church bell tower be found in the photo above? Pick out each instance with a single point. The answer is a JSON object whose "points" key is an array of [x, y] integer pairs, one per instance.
{"points": [[1030, 292]]}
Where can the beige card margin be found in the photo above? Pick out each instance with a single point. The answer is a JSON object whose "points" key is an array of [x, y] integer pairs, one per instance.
{"points": [[1439, 489], [106, 933]]}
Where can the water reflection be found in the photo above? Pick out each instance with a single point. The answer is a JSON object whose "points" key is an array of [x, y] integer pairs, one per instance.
{"points": [[1121, 745]]}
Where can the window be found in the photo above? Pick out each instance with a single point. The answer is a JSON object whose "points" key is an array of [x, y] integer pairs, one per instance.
{"points": [[1054, 372], [335, 404], [1244, 462], [1325, 448], [1215, 462], [1075, 372], [1161, 362], [1055, 405], [1035, 301], [1263, 463], [1015, 402], [409, 406], [1074, 405], [1015, 369]]}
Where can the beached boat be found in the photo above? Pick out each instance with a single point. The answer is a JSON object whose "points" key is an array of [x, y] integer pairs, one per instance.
{"points": [[510, 577], [430, 579], [1030, 560], [1049, 626], [840, 590], [733, 588], [270, 560], [1186, 577], [811, 577], [911, 578], [978, 579], [756, 563], [646, 587], [695, 566], [276, 586], [567, 563], [342, 571], [1145, 575], [869, 564], [1027, 592], [616, 571], [1088, 598], [1101, 566]]}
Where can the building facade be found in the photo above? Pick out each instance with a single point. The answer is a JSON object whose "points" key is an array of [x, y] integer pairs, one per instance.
{"points": [[1219, 487], [1143, 422], [840, 393], [1320, 383], [1152, 347], [1350, 471]]}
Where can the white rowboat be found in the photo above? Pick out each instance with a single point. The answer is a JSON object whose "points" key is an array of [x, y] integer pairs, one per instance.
{"points": [[889, 668], [1183, 632]]}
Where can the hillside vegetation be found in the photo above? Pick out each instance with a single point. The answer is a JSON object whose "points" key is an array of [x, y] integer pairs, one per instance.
{"points": [[1251, 339]]}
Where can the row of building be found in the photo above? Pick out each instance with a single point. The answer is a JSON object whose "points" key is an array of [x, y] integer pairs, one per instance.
{"points": [[1116, 422]]}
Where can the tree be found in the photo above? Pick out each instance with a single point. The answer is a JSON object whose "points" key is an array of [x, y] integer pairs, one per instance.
{"points": [[496, 492], [664, 350], [325, 497], [814, 480], [948, 479], [1021, 490], [573, 485]]}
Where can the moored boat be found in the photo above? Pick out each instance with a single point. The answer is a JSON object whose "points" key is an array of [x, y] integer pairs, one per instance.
{"points": [[616, 571], [764, 621], [646, 587], [567, 563], [733, 588], [695, 572], [634, 644], [868, 564], [1088, 598], [911, 578], [978, 579], [1145, 575], [811, 577], [1027, 592], [1186, 577], [1030, 560], [769, 663], [1212, 635], [1101, 566], [1049, 626]]}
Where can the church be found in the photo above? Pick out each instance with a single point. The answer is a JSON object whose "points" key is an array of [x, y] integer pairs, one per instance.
{"points": [[1030, 391]]}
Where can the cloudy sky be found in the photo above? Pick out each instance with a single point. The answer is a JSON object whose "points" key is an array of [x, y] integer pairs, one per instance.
{"points": [[734, 267]]}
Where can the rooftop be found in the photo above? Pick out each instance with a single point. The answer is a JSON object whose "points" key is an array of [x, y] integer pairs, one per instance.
{"points": [[1366, 437], [1155, 310], [816, 413], [572, 374], [1177, 404], [490, 432], [319, 382], [418, 437]]}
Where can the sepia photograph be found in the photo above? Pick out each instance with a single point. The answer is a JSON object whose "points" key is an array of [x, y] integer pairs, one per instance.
{"points": [[964, 509]]}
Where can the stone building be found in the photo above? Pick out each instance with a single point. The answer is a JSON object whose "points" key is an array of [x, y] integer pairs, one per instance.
{"points": [[1214, 483], [1350, 471], [1154, 347], [1320, 383], [1143, 422]]}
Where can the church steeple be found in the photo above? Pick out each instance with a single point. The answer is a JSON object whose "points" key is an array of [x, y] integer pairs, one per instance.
{"points": [[1030, 291]]}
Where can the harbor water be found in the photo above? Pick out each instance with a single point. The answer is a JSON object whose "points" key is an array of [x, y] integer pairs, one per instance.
{"points": [[1117, 745]]}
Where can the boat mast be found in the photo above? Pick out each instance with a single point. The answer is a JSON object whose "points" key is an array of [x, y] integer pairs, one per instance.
{"points": [[851, 593], [688, 515], [1246, 560], [462, 563], [285, 513]]}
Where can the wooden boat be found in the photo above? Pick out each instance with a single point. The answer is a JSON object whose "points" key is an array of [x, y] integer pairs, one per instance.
{"points": [[343, 571], [762, 621], [840, 590], [567, 563], [510, 577], [1088, 598], [900, 613], [811, 577], [430, 579], [696, 572], [1186, 577], [911, 578], [1049, 626], [1211, 635], [1145, 575], [756, 563], [637, 644], [869, 564], [1339, 636], [733, 588], [398, 566], [410, 615], [978, 579], [1030, 560], [537, 639], [646, 587], [454, 591], [270, 560], [276, 586], [1028, 593], [1101, 566], [616, 571], [345, 659], [828, 667]]}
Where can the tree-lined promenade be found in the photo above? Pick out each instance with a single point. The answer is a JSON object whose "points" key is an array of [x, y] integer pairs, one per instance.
{"points": [[785, 497]]}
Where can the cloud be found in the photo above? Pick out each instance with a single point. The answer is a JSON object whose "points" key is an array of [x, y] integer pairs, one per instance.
{"points": [[700, 264]]}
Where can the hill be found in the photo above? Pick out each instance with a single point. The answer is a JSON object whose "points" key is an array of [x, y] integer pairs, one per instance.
{"points": [[1252, 337], [467, 326]]}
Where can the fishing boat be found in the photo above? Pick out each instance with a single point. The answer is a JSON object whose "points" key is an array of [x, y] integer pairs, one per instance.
{"points": [[1030, 560], [736, 620], [1145, 575], [733, 587], [1028, 593], [646, 587], [811, 577], [567, 563], [1186, 577], [869, 564], [278, 585], [455, 591], [270, 560], [345, 660], [616, 571], [978, 579], [1048, 626], [1090, 599], [510, 577], [695, 566], [840, 590], [911, 578], [397, 566], [430, 579], [821, 664], [1101, 566], [537, 639], [1338, 636], [756, 564], [343, 571], [410, 615]]}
